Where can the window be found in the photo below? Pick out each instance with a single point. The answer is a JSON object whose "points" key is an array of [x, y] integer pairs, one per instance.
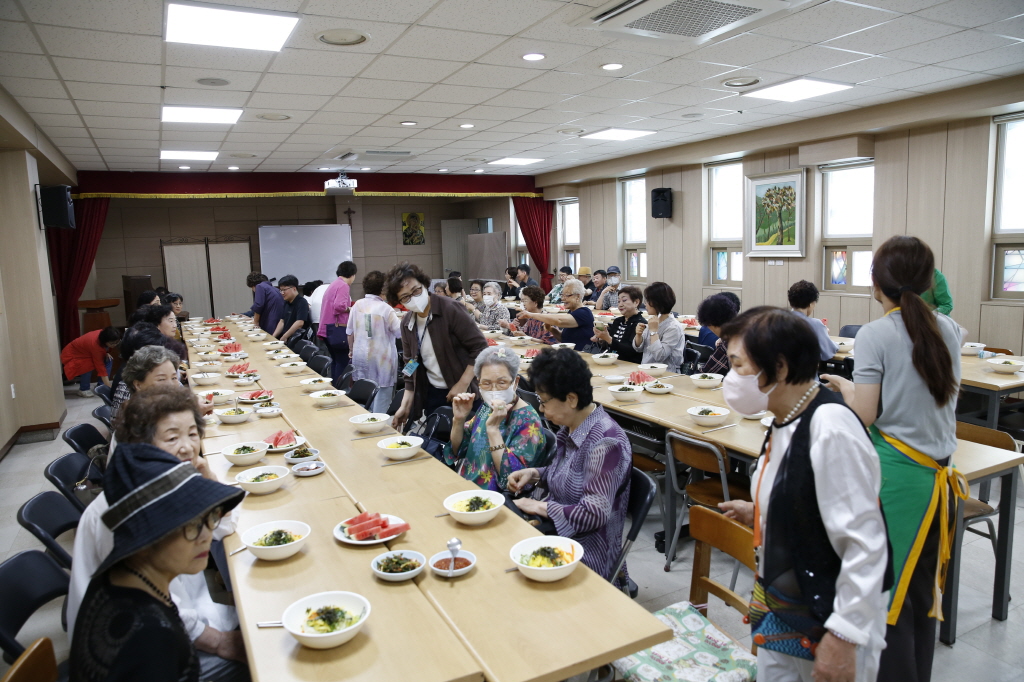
{"points": [[1009, 271], [634, 210], [1009, 204], [727, 266], [725, 190], [570, 219], [636, 265], [848, 269], [573, 260], [522, 253], [847, 225]]}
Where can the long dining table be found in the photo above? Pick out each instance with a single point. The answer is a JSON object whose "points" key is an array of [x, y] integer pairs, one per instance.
{"points": [[488, 624]]}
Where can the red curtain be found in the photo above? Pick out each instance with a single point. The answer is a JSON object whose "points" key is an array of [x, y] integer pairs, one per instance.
{"points": [[72, 253], [534, 216]]}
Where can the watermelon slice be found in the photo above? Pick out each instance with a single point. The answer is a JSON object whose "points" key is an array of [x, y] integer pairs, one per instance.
{"points": [[492, 342], [285, 438], [372, 524], [533, 352], [359, 518], [272, 438], [392, 531], [367, 533]]}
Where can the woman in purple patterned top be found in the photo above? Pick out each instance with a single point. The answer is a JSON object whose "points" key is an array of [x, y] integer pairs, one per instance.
{"points": [[587, 482]]}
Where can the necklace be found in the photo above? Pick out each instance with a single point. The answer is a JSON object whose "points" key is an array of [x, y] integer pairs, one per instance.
{"points": [[149, 583], [800, 403]]}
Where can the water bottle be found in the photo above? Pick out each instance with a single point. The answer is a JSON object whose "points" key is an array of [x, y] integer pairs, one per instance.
{"points": [[985, 354]]}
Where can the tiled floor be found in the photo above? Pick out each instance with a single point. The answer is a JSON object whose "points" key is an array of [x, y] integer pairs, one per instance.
{"points": [[985, 649]]}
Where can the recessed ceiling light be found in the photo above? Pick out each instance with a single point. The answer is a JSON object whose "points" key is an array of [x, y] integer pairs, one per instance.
{"points": [[200, 24], [232, 167], [200, 115], [479, 170], [242, 155], [367, 168], [467, 125], [442, 170], [342, 37], [570, 131], [273, 117], [611, 67], [174, 155], [533, 57], [184, 167], [797, 89], [694, 115], [216, 82], [323, 168], [617, 134], [741, 82], [408, 123], [513, 161]]}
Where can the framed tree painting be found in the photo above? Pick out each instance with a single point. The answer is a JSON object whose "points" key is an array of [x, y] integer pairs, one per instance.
{"points": [[773, 218]]}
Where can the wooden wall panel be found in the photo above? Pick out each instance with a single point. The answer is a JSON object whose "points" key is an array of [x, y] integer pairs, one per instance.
{"points": [[852, 310], [892, 152], [1002, 326], [690, 233], [828, 310], [611, 238], [657, 259], [753, 268], [926, 186], [587, 208]]}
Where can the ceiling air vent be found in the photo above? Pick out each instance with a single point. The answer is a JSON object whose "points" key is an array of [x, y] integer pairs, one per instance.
{"points": [[371, 154]]}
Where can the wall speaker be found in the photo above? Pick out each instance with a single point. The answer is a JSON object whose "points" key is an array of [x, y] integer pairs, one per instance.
{"points": [[661, 202], [58, 211]]}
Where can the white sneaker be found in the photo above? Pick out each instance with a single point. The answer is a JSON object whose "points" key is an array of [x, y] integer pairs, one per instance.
{"points": [[86, 394]]}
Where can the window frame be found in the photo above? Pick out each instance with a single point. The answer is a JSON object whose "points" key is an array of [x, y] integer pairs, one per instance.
{"points": [[1002, 123], [849, 246], [626, 246], [718, 245], [573, 259], [522, 252], [826, 171], [999, 250], [631, 248], [561, 221], [730, 281]]}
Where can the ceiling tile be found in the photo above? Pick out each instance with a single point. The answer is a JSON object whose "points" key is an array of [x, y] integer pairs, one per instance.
{"points": [[152, 123], [688, 95], [326, 140], [395, 121], [132, 109], [114, 47], [807, 59], [345, 119], [632, 63], [366, 105], [490, 16], [566, 83], [379, 34], [458, 94], [186, 77], [916, 77], [258, 137], [320, 62], [485, 75], [825, 21], [286, 102], [642, 109], [119, 134], [439, 110], [9, 12], [604, 120], [550, 117], [745, 49], [65, 131], [1012, 70], [490, 136], [369, 87], [25, 66], [865, 69], [329, 128], [47, 105], [301, 85], [681, 71], [893, 35], [400, 11], [207, 97], [30, 87], [527, 98], [250, 114], [950, 47], [266, 127], [124, 16], [250, 147], [854, 94], [106, 92], [522, 127], [120, 73], [489, 113], [665, 48], [962, 81], [587, 104], [627, 89], [972, 13], [804, 108], [387, 67], [17, 37], [439, 43], [556, 28], [127, 144], [1013, 28], [206, 57], [991, 59], [388, 132], [555, 54]]}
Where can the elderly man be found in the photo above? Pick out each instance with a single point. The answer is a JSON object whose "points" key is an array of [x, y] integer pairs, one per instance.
{"points": [[610, 296], [584, 276], [564, 274], [600, 284], [267, 304]]}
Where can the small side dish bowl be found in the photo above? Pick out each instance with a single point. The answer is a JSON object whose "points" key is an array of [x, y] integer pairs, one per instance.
{"points": [[404, 575], [268, 412], [657, 387], [296, 457], [298, 529], [717, 415], [446, 555]]}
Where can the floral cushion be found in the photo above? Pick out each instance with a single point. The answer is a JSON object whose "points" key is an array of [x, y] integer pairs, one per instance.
{"points": [[699, 652]]}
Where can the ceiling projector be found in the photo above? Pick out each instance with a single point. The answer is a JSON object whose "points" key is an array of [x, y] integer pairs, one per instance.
{"points": [[342, 185]]}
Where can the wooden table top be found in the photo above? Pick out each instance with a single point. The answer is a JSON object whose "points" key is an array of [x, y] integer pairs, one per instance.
{"points": [[977, 372]]}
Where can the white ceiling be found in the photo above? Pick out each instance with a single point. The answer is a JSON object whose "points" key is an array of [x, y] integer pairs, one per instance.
{"points": [[94, 73]]}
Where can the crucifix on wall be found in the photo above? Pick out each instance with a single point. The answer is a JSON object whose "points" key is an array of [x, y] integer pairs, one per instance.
{"points": [[349, 212]]}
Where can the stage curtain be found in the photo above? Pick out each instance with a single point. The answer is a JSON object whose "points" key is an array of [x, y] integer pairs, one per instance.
{"points": [[534, 215], [72, 253]]}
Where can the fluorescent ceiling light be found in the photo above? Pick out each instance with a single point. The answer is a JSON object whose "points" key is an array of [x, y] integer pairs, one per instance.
{"points": [[184, 167], [533, 57], [797, 89], [168, 154], [512, 161], [618, 134], [408, 123], [367, 168], [611, 67], [232, 167], [442, 170], [200, 115], [479, 170], [201, 24], [467, 125]]}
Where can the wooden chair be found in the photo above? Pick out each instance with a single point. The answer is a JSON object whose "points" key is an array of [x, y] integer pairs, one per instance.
{"points": [[998, 351], [37, 664], [711, 530], [977, 511]]}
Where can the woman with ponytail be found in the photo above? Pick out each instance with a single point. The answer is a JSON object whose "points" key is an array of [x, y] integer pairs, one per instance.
{"points": [[904, 389]]}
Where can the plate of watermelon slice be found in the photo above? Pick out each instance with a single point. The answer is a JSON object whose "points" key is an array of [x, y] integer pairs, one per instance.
{"points": [[259, 396], [370, 528], [283, 441]]}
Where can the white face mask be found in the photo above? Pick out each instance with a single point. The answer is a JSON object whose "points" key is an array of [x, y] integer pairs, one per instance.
{"points": [[742, 393], [613, 281], [418, 304], [488, 299], [506, 396]]}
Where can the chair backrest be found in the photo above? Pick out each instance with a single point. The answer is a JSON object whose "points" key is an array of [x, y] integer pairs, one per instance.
{"points": [[82, 437], [530, 397], [28, 580], [547, 453], [641, 496], [703, 352], [849, 331], [37, 664], [985, 436], [363, 392], [691, 358], [307, 352], [697, 453], [47, 516], [105, 394], [710, 529], [293, 342], [102, 414], [999, 351], [396, 401], [321, 364], [344, 380], [64, 472]]}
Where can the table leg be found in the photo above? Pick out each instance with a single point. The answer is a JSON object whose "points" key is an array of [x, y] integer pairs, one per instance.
{"points": [[992, 422], [951, 591], [1004, 544]]}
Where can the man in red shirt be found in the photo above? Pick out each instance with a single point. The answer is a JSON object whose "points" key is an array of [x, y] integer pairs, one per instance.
{"points": [[89, 353]]}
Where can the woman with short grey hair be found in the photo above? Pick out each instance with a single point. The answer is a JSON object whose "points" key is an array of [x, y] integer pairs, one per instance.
{"points": [[149, 366], [493, 312], [505, 433], [576, 325]]}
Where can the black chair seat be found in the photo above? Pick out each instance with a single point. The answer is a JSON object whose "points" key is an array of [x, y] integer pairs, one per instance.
{"points": [[83, 437], [47, 516], [102, 414], [28, 580], [321, 364], [65, 472], [105, 393]]}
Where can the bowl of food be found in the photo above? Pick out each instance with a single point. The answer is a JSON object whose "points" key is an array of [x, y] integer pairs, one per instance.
{"points": [[206, 378], [327, 398], [273, 344], [400, 447], [233, 415], [708, 415], [546, 558], [225, 342], [972, 348], [244, 454], [292, 367], [268, 412], [625, 393], [510, 298], [441, 563], [262, 480], [493, 333], [203, 346], [563, 345], [244, 382], [845, 346], [399, 565], [306, 469], [756, 416], [221, 396], [276, 540], [658, 387], [615, 378], [326, 619], [606, 358], [525, 362], [655, 369], [474, 507], [1006, 365], [370, 423], [706, 380], [315, 384], [519, 340], [258, 336], [300, 455], [285, 357]]}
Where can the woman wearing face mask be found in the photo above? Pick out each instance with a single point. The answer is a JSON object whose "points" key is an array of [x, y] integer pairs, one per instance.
{"points": [[504, 435], [494, 311], [818, 609], [618, 337], [661, 338]]}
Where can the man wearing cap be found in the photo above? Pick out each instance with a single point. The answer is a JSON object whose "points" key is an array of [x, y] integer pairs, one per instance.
{"points": [[555, 295], [584, 276], [610, 296]]}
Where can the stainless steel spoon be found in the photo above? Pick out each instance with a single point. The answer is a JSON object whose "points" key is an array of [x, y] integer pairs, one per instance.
{"points": [[454, 545]]}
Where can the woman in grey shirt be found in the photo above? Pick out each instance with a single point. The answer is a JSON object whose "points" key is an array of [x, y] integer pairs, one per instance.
{"points": [[803, 296], [662, 339], [904, 390]]}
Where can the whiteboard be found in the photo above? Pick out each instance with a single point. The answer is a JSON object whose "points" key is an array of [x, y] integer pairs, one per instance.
{"points": [[309, 252]]}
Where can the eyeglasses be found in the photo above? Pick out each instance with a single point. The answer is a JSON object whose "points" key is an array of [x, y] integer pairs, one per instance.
{"points": [[408, 297], [542, 403], [193, 528], [475, 290], [501, 385]]}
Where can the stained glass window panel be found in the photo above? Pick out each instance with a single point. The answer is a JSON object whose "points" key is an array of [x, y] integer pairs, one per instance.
{"points": [[737, 266], [721, 265], [643, 264], [1013, 270], [838, 267], [634, 264]]}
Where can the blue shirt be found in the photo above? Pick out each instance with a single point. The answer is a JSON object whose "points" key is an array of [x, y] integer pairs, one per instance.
{"points": [[269, 305], [706, 337], [583, 332]]}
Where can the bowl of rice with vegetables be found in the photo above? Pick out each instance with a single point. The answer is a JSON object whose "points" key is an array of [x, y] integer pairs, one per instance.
{"points": [[474, 507], [326, 619], [546, 558], [276, 540]]}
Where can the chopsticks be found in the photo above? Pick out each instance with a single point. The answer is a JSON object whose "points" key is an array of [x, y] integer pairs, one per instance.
{"points": [[718, 428], [375, 435], [240, 549], [406, 461], [333, 407], [270, 624], [437, 516]]}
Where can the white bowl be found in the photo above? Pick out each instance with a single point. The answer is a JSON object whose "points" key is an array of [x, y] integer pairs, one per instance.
{"points": [[315, 384], [233, 418], [563, 345], [306, 469], [277, 552], [443, 572], [510, 298], [400, 453], [206, 378], [493, 333], [247, 459], [714, 381], [655, 369], [292, 459], [363, 425], [757, 416], [208, 363], [520, 340], [224, 342], [526, 362], [606, 358], [972, 348], [295, 617], [546, 575], [721, 414], [203, 347], [650, 387], [476, 518], [256, 337], [221, 396], [845, 346], [398, 577], [552, 309], [268, 412], [262, 487], [244, 382], [626, 394], [615, 378], [292, 367], [999, 364], [331, 396], [273, 344]]}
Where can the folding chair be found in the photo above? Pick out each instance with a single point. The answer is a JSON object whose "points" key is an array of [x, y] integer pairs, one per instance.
{"points": [[37, 664], [321, 364], [363, 392], [642, 490], [47, 516], [28, 580], [105, 394], [65, 472], [102, 414], [83, 437]]}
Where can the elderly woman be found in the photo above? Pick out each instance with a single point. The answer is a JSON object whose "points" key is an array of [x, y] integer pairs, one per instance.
{"points": [[162, 317], [576, 325], [819, 604], [167, 418], [474, 298], [177, 303], [533, 302], [149, 366], [803, 296], [372, 330], [504, 435], [587, 481], [493, 312], [715, 312], [621, 332], [662, 338], [90, 353]]}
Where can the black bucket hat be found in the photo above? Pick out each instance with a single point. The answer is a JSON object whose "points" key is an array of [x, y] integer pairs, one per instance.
{"points": [[151, 494]]}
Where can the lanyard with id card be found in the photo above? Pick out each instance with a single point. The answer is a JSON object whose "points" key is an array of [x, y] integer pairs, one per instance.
{"points": [[411, 366]]}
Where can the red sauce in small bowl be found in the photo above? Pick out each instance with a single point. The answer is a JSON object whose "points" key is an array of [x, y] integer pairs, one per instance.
{"points": [[445, 564]]}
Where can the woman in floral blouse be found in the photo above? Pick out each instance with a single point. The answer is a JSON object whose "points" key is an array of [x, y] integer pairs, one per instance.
{"points": [[493, 312], [505, 433]]}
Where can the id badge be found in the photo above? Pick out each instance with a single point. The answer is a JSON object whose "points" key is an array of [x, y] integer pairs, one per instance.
{"points": [[410, 368]]}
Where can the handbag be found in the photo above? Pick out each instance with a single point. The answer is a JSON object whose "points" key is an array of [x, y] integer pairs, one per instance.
{"points": [[89, 484], [780, 623]]}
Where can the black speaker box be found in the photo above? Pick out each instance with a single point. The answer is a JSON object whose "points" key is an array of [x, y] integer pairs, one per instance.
{"points": [[58, 211], [661, 202]]}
